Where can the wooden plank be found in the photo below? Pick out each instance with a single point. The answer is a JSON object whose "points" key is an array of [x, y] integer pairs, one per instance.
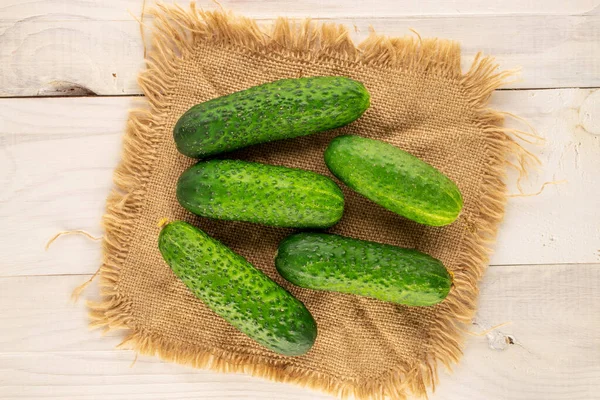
{"points": [[108, 375], [61, 57], [43, 195], [554, 315], [110, 10], [38, 315], [58, 156], [561, 224], [50, 54], [56, 165]]}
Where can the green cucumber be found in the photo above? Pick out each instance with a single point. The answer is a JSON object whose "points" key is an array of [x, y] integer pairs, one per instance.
{"points": [[277, 110], [235, 290], [394, 179], [266, 194], [335, 263]]}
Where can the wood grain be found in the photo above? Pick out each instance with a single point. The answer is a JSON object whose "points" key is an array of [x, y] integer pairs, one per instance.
{"points": [[560, 225], [553, 311], [12, 10], [56, 164], [61, 54], [58, 156]]}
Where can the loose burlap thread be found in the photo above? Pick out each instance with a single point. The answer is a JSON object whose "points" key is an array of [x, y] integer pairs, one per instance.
{"points": [[421, 102]]}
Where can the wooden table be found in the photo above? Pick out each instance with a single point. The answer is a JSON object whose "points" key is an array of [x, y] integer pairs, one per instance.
{"points": [[67, 78]]}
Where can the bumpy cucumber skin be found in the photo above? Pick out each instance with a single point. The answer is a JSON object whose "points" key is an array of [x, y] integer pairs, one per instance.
{"points": [[277, 110], [235, 290], [335, 263], [266, 194], [394, 179]]}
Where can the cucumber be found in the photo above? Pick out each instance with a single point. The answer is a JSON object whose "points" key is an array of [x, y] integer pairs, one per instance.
{"points": [[266, 194], [394, 179], [335, 263], [235, 290], [278, 110]]}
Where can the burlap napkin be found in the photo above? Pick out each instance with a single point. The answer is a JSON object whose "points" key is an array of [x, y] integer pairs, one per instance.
{"points": [[421, 102]]}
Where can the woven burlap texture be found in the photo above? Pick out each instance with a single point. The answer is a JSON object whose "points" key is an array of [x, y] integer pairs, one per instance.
{"points": [[421, 102]]}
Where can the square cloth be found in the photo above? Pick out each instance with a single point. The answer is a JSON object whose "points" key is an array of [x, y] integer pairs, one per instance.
{"points": [[420, 102]]}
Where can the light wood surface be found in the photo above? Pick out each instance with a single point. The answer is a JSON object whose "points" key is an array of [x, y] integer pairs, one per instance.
{"points": [[12, 10], [554, 356], [98, 49], [57, 156]]}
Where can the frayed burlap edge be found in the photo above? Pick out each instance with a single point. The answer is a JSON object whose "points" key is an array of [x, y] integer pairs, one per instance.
{"points": [[175, 33]]}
